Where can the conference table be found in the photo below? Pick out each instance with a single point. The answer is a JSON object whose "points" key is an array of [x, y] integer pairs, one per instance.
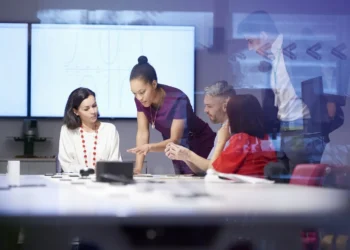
{"points": [[166, 212]]}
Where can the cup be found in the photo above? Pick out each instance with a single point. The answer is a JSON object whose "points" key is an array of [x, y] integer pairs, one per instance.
{"points": [[13, 172]]}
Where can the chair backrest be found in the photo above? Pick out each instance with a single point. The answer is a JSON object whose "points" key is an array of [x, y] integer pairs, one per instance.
{"points": [[309, 174], [337, 177], [321, 175]]}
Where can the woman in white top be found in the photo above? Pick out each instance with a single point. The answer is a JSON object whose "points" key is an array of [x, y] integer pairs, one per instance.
{"points": [[84, 140]]}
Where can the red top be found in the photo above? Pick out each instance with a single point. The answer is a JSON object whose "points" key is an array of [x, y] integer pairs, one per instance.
{"points": [[245, 155]]}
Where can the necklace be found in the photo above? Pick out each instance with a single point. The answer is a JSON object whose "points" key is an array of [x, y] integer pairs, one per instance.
{"points": [[153, 121], [84, 147]]}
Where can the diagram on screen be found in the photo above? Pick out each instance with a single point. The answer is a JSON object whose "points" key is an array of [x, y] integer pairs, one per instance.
{"points": [[102, 61], [100, 57]]}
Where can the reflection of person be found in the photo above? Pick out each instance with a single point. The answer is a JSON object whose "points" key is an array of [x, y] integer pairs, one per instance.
{"points": [[290, 112], [169, 111], [84, 140], [215, 102], [263, 37]]}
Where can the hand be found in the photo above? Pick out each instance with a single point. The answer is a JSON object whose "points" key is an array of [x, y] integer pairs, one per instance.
{"points": [[331, 108], [143, 149], [265, 66], [137, 170], [223, 133], [176, 152]]}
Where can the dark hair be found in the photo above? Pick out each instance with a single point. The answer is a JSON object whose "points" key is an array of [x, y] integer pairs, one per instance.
{"points": [[257, 22], [143, 70], [70, 119], [245, 115]]}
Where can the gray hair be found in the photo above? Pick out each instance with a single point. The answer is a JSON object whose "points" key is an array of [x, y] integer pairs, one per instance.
{"points": [[220, 88]]}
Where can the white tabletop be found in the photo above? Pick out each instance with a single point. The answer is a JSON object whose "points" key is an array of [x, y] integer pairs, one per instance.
{"points": [[176, 199]]}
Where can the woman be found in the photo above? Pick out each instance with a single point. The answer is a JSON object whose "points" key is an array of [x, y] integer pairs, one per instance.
{"points": [[249, 148], [84, 140], [168, 110]]}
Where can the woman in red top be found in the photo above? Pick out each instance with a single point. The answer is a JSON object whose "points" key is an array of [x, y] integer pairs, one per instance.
{"points": [[249, 148]]}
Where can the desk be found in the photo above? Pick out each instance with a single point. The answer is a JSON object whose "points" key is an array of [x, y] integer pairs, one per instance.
{"points": [[31, 166], [139, 216]]}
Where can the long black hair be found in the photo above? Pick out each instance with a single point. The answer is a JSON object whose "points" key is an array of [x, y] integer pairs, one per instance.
{"points": [[245, 115]]}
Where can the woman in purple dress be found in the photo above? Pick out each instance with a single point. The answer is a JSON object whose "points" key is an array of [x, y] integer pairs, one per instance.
{"points": [[168, 110]]}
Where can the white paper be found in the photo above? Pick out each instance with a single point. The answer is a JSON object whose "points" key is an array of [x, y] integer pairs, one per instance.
{"points": [[214, 176]]}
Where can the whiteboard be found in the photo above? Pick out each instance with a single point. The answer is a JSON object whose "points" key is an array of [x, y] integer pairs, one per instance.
{"points": [[100, 57]]}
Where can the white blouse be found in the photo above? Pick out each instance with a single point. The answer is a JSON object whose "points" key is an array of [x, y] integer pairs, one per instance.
{"points": [[71, 152]]}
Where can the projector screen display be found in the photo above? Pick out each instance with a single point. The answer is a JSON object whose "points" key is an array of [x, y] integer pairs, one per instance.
{"points": [[100, 57], [13, 69], [313, 46]]}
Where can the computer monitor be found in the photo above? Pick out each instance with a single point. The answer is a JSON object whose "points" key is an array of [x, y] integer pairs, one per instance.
{"points": [[314, 98], [13, 69]]}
